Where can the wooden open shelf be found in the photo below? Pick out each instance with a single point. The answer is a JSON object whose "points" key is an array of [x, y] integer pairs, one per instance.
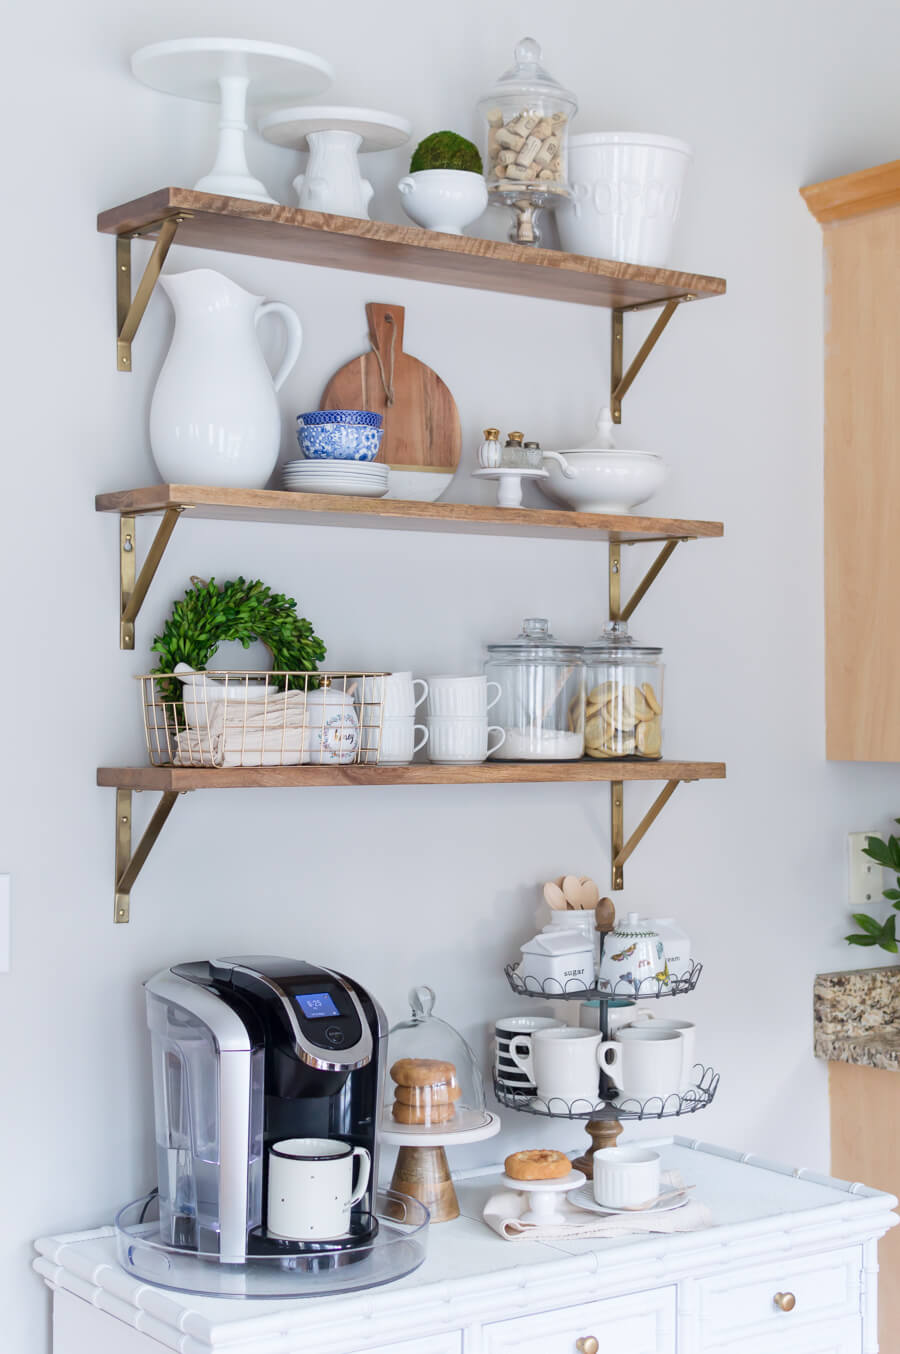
{"points": [[275, 505], [179, 778], [272, 231]]}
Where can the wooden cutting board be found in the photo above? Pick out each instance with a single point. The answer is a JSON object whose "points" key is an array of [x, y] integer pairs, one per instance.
{"points": [[421, 426]]}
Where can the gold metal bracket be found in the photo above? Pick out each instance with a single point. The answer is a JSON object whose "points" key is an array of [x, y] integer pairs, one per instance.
{"points": [[130, 310], [618, 612], [132, 592], [620, 850], [129, 864], [620, 379]]}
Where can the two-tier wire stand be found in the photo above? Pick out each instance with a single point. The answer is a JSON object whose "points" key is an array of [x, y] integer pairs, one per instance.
{"points": [[605, 1117]]}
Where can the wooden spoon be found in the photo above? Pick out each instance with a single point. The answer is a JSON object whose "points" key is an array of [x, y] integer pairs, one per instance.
{"points": [[605, 912], [589, 892], [571, 887], [554, 897]]}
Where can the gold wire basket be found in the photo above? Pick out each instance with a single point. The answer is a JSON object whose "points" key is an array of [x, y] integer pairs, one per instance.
{"points": [[231, 719]]}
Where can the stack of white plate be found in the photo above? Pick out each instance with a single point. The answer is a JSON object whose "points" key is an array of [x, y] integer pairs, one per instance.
{"points": [[364, 478]]}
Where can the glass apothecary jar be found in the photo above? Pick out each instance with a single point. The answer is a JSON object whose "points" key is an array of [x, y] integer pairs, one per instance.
{"points": [[541, 705], [526, 116], [623, 696]]}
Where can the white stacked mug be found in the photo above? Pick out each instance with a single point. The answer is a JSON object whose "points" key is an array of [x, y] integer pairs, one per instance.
{"points": [[399, 737], [456, 715]]}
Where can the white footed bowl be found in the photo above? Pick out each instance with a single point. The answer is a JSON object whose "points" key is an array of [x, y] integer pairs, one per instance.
{"points": [[418, 486], [605, 481], [444, 199]]}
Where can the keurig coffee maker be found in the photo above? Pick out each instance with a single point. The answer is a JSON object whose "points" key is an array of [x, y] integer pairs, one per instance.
{"points": [[247, 1052]]}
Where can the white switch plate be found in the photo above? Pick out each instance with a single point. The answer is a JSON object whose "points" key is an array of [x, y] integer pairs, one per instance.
{"points": [[866, 876], [4, 923]]}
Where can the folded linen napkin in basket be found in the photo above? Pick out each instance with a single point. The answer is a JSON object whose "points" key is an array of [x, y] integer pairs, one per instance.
{"points": [[240, 734], [504, 1209]]}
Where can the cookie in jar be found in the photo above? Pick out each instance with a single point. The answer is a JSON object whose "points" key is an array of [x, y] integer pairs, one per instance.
{"points": [[623, 696]]}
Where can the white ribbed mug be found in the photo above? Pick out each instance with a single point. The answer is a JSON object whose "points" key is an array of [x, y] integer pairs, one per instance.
{"points": [[466, 697], [462, 740], [625, 1176]]}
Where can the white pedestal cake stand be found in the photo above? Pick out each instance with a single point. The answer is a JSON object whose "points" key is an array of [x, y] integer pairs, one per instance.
{"points": [[544, 1204], [509, 488], [334, 137], [422, 1170], [231, 71]]}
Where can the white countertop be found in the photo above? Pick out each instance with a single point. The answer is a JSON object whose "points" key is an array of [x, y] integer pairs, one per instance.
{"points": [[759, 1209]]}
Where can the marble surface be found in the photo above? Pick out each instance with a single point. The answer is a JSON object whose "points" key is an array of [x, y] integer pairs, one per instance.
{"points": [[857, 1017]]}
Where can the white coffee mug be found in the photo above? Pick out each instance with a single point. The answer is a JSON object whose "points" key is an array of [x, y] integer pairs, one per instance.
{"points": [[644, 1063], [311, 1187], [398, 740], [563, 1064], [522, 1028], [396, 692], [625, 1176], [464, 696], [688, 1031], [462, 739], [619, 1011]]}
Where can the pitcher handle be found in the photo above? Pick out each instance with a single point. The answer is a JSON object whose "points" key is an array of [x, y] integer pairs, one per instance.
{"points": [[294, 337]]}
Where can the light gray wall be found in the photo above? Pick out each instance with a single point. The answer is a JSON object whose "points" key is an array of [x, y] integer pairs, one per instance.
{"points": [[436, 885]]}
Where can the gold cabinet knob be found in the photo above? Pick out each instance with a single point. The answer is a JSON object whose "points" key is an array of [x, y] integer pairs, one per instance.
{"points": [[588, 1344], [786, 1301]]}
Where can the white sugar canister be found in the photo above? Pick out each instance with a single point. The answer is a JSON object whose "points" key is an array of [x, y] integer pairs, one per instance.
{"points": [[557, 961]]}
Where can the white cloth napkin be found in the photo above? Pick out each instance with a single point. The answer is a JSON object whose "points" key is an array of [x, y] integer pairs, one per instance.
{"points": [[503, 1211], [242, 734]]}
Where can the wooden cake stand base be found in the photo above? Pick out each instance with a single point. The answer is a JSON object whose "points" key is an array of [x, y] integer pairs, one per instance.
{"points": [[602, 1133], [422, 1170]]}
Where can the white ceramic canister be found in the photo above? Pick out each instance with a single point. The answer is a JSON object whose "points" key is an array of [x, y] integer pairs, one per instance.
{"points": [[582, 920], [557, 961], [214, 417], [676, 943], [626, 194], [633, 958], [331, 728]]}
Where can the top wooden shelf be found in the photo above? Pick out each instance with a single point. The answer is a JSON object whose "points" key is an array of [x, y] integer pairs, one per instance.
{"points": [[868, 190], [272, 231]]}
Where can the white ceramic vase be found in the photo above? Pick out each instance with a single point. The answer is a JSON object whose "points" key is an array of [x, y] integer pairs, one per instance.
{"points": [[214, 417], [444, 199], [332, 181]]}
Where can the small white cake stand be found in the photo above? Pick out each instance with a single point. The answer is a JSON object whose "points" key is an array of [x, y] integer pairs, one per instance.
{"points": [[334, 137], [422, 1170], [509, 487], [545, 1195], [231, 71]]}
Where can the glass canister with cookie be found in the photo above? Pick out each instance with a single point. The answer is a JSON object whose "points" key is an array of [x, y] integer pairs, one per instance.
{"points": [[624, 696], [433, 1082]]}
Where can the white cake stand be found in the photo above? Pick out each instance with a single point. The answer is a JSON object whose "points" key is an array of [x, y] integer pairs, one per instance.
{"points": [[544, 1195], [231, 71], [334, 137], [422, 1170], [509, 487]]}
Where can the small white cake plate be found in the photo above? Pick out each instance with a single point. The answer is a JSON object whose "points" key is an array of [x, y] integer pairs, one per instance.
{"points": [[334, 137], [231, 71], [545, 1195], [509, 487], [422, 1170]]}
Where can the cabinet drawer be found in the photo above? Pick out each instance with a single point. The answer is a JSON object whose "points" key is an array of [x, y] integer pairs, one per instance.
{"points": [[432, 1344], [834, 1337], [641, 1323], [736, 1305]]}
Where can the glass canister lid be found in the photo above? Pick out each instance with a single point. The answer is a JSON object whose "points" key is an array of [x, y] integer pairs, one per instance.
{"points": [[616, 645], [534, 642], [528, 78], [434, 1082]]}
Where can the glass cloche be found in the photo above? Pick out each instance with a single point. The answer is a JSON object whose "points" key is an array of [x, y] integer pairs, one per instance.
{"points": [[434, 1083], [527, 116]]}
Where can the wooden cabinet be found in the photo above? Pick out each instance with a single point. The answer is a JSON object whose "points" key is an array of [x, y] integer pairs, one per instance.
{"points": [[860, 215]]}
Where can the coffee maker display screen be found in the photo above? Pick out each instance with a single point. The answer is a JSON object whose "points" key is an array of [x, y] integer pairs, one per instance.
{"points": [[315, 1005]]}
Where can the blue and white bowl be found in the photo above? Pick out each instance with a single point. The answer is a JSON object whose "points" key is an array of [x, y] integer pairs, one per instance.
{"points": [[340, 442], [319, 416]]}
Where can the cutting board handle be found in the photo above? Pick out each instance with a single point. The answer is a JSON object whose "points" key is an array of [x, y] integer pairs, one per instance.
{"points": [[385, 324]]}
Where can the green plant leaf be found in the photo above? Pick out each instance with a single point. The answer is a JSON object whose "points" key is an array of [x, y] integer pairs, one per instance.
{"points": [[861, 940], [888, 930], [878, 850], [892, 894], [868, 924]]}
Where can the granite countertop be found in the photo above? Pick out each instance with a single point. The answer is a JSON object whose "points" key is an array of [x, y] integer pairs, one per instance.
{"points": [[857, 1017]]}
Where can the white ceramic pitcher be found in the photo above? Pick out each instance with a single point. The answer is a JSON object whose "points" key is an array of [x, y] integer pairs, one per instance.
{"points": [[214, 417]]}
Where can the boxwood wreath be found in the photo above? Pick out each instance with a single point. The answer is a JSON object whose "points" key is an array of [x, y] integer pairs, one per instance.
{"points": [[208, 616]]}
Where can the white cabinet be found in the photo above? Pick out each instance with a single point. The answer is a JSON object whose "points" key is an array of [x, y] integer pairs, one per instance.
{"points": [[641, 1323], [434, 1344], [835, 1337]]}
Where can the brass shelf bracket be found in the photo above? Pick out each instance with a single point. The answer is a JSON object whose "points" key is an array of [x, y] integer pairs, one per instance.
{"points": [[620, 849], [618, 612], [130, 863], [130, 310], [620, 379], [133, 590]]}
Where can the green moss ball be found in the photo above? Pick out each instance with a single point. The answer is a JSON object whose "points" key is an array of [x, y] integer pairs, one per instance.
{"points": [[446, 150]]}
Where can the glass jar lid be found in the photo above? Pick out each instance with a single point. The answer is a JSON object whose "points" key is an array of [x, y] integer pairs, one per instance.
{"points": [[528, 79], [615, 644], [536, 642]]}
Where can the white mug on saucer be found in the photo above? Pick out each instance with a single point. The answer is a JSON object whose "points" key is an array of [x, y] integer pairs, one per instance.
{"points": [[449, 697], [688, 1031], [643, 1062], [625, 1176], [311, 1187], [563, 1064]]}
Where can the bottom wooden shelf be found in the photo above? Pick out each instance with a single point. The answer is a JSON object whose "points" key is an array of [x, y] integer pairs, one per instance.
{"points": [[181, 778]]}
